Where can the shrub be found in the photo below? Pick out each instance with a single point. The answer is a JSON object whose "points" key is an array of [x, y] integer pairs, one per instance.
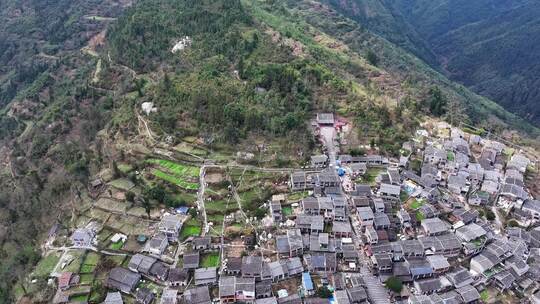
{"points": [[394, 284], [324, 292], [513, 223], [490, 216]]}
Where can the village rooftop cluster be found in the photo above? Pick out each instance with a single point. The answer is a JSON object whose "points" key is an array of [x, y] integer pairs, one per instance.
{"points": [[449, 221]]}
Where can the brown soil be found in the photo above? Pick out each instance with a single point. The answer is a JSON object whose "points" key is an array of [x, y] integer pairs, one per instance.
{"points": [[214, 178]]}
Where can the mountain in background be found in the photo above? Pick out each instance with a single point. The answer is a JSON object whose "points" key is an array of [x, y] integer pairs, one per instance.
{"points": [[490, 46]]}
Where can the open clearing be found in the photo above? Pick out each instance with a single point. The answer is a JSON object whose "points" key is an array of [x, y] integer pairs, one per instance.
{"points": [[46, 265], [210, 259]]}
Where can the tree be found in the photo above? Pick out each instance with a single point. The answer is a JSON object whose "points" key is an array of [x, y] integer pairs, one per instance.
{"points": [[156, 193], [116, 172], [490, 216], [324, 292], [513, 223], [372, 58], [130, 196], [357, 152], [394, 284], [438, 102], [193, 212]]}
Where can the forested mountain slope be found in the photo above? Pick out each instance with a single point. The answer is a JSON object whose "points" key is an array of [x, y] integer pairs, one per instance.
{"points": [[49, 117], [490, 46], [72, 89]]}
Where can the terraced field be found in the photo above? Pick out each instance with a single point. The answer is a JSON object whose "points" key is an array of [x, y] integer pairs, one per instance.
{"points": [[183, 176]]}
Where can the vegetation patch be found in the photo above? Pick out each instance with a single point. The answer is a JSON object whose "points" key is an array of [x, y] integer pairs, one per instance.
{"points": [[175, 180], [76, 263], [484, 295], [221, 206], [87, 278], [297, 196], [370, 176], [122, 184], [46, 265], [176, 168], [210, 259], [416, 204], [287, 210], [191, 227], [450, 156], [92, 258], [116, 246], [79, 298], [125, 168]]}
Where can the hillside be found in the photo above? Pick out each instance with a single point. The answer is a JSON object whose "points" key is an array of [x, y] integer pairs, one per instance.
{"points": [[489, 46], [249, 78]]}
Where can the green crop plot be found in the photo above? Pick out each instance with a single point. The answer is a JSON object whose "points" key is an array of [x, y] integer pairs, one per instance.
{"points": [[190, 228], [176, 180], [210, 260], [176, 168]]}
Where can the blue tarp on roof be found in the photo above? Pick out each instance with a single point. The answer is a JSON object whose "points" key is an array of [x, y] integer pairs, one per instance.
{"points": [[306, 281], [182, 210], [341, 171]]}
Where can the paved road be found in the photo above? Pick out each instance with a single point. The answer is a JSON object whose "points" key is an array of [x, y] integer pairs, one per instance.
{"points": [[328, 135], [200, 199]]}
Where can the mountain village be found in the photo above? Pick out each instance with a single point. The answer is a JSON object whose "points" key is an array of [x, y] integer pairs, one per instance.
{"points": [[452, 220]]}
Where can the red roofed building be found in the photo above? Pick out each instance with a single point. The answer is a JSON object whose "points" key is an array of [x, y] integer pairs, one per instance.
{"points": [[64, 280]]}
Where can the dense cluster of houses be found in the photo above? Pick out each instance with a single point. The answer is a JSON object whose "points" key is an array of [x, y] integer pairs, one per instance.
{"points": [[424, 221]]}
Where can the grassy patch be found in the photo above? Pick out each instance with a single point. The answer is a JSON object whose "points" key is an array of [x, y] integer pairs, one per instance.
{"points": [[191, 149], [91, 258], [417, 204], [87, 268], [415, 165], [79, 298], [419, 216], [371, 176], [296, 196], [178, 181], [190, 228], [122, 184], [87, 279], [221, 207], [216, 229], [46, 265], [287, 210], [116, 246], [189, 198], [124, 168], [117, 259], [210, 259], [176, 168], [215, 218], [450, 156], [484, 295]]}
